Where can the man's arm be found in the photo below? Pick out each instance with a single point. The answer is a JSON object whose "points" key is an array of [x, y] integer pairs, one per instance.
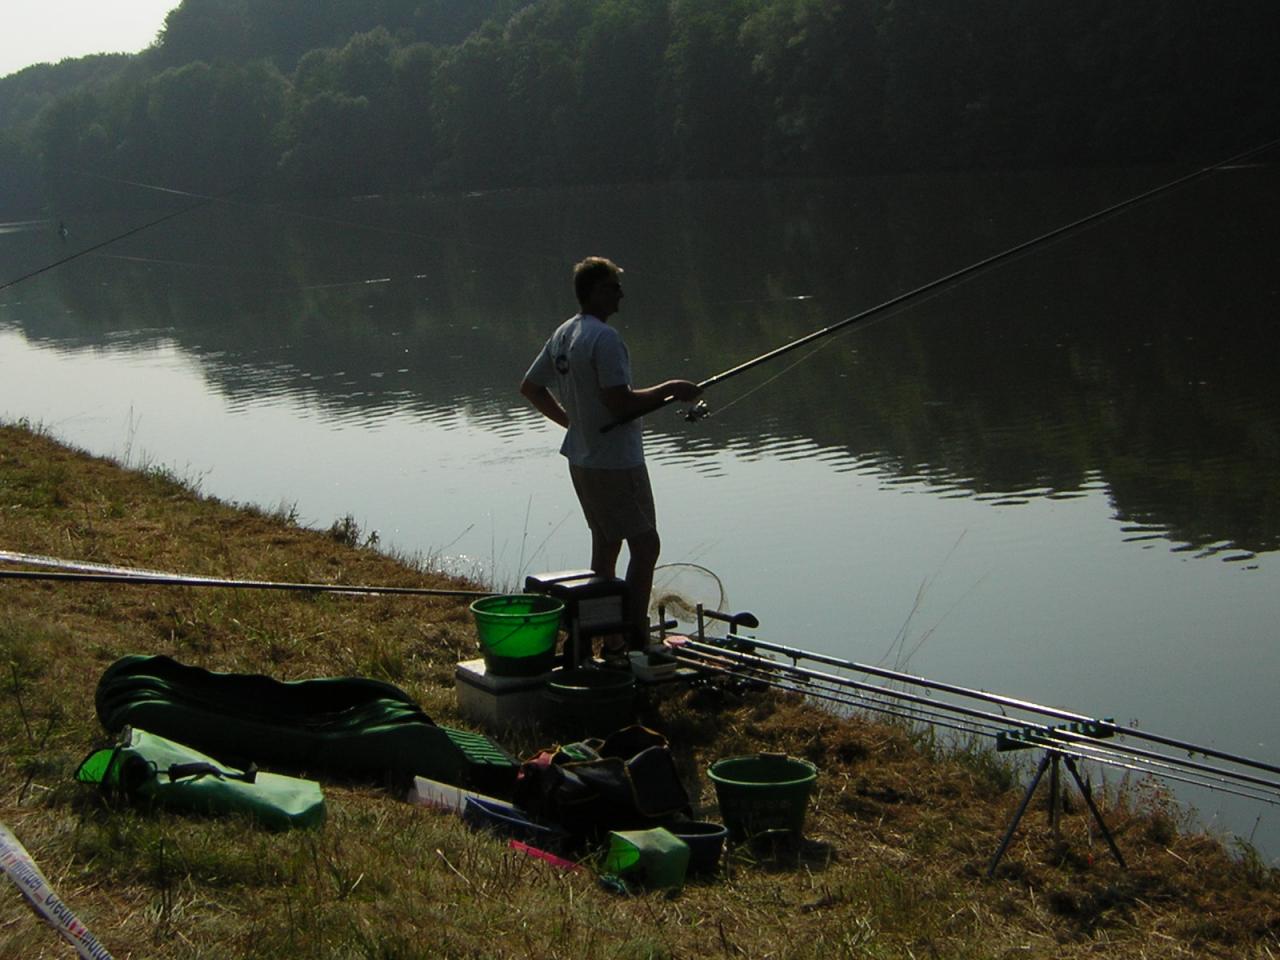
{"points": [[544, 402], [626, 403]]}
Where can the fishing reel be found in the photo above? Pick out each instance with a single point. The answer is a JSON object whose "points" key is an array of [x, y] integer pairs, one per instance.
{"points": [[699, 411]]}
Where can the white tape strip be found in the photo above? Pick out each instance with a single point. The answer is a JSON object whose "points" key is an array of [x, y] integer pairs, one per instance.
{"points": [[17, 865]]}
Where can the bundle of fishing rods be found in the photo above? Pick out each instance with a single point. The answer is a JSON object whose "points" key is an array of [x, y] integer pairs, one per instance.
{"points": [[1012, 724]]}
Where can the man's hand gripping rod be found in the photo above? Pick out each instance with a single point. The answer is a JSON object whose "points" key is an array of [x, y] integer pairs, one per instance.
{"points": [[691, 414]]}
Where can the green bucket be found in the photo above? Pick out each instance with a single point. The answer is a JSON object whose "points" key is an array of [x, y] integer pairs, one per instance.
{"points": [[589, 702], [517, 633], [765, 793]]}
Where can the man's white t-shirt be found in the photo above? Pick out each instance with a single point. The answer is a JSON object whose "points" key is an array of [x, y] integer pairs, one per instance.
{"points": [[584, 356]]}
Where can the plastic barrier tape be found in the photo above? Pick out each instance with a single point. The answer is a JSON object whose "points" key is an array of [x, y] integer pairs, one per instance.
{"points": [[16, 864]]}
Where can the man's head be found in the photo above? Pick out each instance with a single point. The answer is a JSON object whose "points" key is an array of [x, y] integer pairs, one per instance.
{"points": [[598, 285]]}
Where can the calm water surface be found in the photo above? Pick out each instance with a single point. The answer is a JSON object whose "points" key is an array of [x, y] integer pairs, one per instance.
{"points": [[1058, 480]]}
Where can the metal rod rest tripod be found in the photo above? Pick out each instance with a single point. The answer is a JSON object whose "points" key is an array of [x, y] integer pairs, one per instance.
{"points": [[1050, 761]]}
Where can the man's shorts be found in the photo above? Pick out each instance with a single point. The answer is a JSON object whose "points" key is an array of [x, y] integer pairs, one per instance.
{"points": [[618, 504]]}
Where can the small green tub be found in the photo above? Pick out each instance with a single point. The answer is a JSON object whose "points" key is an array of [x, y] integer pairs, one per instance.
{"points": [[763, 794], [517, 633]]}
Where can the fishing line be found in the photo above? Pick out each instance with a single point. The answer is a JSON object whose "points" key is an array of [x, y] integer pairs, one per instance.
{"points": [[205, 201], [316, 218], [371, 282], [188, 263], [135, 183], [777, 376], [871, 322]]}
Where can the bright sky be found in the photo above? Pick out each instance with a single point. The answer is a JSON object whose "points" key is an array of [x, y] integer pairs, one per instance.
{"points": [[39, 31]]}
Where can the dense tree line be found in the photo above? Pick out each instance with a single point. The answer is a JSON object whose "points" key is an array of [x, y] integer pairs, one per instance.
{"points": [[340, 96]]}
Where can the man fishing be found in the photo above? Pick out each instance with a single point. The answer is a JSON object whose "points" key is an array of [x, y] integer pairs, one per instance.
{"points": [[587, 365]]}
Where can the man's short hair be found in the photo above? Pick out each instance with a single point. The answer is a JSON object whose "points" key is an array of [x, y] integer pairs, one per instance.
{"points": [[590, 272]]}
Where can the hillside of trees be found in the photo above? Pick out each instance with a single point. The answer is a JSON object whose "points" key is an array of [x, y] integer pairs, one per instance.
{"points": [[331, 97]]}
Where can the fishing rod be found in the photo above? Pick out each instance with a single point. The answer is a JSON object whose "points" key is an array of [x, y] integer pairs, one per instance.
{"points": [[700, 410], [78, 572], [178, 580], [773, 677]]}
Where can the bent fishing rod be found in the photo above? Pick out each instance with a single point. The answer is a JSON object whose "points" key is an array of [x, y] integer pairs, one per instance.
{"points": [[70, 571], [700, 410]]}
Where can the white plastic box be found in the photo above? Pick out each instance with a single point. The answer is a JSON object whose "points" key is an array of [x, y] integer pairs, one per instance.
{"points": [[498, 703]]}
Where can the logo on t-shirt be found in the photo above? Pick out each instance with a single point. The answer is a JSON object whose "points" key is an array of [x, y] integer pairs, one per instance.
{"points": [[562, 364]]}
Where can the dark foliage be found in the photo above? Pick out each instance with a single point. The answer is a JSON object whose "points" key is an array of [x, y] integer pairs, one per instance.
{"points": [[343, 97]]}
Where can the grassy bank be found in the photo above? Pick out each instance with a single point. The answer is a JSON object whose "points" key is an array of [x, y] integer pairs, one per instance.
{"points": [[898, 835]]}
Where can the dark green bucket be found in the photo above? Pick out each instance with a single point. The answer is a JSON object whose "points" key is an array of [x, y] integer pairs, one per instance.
{"points": [[705, 842], [517, 633], [587, 702], [761, 794]]}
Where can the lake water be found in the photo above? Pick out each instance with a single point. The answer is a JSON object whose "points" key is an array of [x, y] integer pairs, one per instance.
{"points": [[1057, 480]]}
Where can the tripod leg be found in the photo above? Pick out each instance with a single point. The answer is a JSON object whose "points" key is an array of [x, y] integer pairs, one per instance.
{"points": [[1088, 798], [1022, 808], [1055, 796]]}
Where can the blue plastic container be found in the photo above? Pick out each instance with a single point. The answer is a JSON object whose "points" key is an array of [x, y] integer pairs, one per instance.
{"points": [[505, 819]]}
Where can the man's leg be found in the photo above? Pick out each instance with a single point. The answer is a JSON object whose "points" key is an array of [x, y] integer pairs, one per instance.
{"points": [[621, 500], [604, 555], [644, 550], [604, 563]]}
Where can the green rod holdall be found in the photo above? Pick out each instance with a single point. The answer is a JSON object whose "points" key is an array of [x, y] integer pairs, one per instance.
{"points": [[150, 771], [348, 728]]}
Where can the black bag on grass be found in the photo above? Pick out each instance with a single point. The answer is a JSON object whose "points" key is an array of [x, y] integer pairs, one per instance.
{"points": [[627, 781]]}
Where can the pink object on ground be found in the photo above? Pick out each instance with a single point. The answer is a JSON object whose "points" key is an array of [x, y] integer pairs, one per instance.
{"points": [[558, 862]]}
